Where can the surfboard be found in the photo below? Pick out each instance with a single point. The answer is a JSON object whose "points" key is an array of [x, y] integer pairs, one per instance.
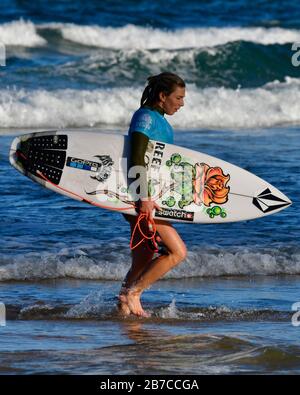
{"points": [[189, 186]]}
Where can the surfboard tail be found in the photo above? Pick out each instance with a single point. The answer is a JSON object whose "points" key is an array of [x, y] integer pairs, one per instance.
{"points": [[270, 200]]}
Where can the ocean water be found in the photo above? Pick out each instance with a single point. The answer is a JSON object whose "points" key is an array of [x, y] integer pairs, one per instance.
{"points": [[230, 307]]}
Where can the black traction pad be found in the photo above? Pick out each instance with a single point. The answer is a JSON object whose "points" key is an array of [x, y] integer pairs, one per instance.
{"points": [[48, 142], [47, 157], [45, 154]]}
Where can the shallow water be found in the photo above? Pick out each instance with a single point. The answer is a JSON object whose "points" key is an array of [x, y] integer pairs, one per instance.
{"points": [[227, 325]]}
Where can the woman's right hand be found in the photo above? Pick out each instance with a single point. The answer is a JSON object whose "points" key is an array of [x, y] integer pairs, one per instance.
{"points": [[147, 207]]}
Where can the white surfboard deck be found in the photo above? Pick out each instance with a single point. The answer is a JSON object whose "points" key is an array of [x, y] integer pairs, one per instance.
{"points": [[189, 186]]}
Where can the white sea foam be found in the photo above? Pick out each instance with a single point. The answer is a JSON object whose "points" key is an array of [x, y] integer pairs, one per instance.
{"points": [[172, 312], [276, 103], [93, 304], [67, 107], [21, 33], [26, 33], [201, 262], [273, 104], [131, 36]]}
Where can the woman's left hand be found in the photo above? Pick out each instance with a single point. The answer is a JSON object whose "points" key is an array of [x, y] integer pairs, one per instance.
{"points": [[147, 207]]}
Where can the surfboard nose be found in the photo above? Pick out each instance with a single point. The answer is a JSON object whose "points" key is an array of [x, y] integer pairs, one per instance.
{"points": [[271, 199], [13, 150]]}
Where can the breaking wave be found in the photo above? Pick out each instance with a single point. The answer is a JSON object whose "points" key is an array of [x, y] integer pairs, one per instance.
{"points": [[113, 264], [26, 33], [275, 103]]}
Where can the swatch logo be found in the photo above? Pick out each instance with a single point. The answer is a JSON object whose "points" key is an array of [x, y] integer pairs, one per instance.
{"points": [[175, 214]]}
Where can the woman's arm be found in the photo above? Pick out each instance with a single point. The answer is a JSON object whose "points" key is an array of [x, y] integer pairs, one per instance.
{"points": [[139, 142]]}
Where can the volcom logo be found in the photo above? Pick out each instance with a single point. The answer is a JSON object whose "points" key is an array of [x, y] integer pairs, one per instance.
{"points": [[104, 168], [267, 202]]}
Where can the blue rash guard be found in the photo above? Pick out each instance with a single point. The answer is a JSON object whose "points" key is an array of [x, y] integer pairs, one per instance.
{"points": [[151, 123], [146, 124]]}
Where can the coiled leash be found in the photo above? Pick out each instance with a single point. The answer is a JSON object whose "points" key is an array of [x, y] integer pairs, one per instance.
{"points": [[145, 237]]}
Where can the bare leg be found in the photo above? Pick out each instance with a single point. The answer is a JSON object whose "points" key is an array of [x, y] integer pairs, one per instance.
{"points": [[159, 266], [141, 256]]}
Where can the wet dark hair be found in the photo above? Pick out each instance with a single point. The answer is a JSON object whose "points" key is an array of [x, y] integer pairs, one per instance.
{"points": [[163, 82]]}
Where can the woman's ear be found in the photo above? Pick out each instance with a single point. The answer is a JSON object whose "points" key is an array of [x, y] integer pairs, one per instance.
{"points": [[162, 97]]}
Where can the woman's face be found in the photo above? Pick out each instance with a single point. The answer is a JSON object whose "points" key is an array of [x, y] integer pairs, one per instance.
{"points": [[172, 103]]}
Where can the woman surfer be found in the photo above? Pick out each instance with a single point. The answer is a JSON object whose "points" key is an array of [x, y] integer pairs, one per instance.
{"points": [[164, 94]]}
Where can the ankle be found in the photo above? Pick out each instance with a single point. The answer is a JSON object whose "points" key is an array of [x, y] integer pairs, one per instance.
{"points": [[124, 289], [134, 290]]}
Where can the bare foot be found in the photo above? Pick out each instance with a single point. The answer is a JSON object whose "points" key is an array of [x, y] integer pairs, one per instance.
{"points": [[122, 305], [134, 303]]}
